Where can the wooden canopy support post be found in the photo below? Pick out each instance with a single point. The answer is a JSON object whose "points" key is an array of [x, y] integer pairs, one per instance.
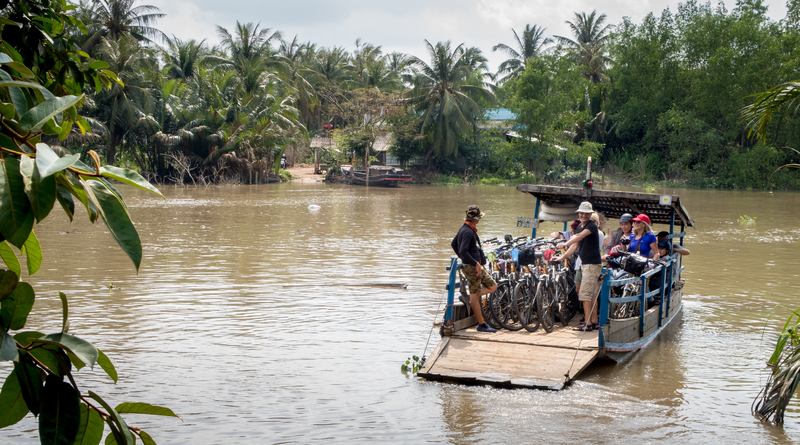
{"points": [[672, 222], [536, 218]]}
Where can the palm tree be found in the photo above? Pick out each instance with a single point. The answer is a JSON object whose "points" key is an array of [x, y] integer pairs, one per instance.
{"points": [[248, 44], [758, 115], [443, 94], [119, 18], [589, 44], [530, 46], [124, 106], [294, 73], [182, 58]]}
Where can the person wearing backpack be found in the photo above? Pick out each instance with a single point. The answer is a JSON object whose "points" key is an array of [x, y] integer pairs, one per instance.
{"points": [[467, 245]]}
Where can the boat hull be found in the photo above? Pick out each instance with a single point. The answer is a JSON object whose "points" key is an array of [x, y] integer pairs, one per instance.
{"points": [[619, 338], [378, 177]]}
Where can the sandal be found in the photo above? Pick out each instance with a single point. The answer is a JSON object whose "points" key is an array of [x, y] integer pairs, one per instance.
{"points": [[580, 327], [585, 328]]}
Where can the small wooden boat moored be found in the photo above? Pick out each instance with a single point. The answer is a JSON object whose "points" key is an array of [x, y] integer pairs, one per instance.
{"points": [[379, 176], [552, 360]]}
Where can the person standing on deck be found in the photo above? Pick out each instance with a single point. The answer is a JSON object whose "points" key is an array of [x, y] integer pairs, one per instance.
{"points": [[589, 251], [467, 246]]}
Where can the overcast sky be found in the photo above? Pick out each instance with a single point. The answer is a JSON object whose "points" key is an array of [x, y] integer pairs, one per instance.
{"points": [[401, 25]]}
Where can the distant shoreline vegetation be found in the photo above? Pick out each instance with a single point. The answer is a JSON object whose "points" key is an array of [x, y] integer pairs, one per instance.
{"points": [[656, 101]]}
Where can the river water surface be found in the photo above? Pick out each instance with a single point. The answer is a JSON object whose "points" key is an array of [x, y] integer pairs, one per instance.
{"points": [[237, 320]]}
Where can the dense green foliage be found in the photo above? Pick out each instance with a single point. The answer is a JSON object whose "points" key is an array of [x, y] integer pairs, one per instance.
{"points": [[678, 82], [656, 100], [40, 95]]}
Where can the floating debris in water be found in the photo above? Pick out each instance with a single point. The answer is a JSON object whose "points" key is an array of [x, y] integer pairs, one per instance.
{"points": [[314, 207]]}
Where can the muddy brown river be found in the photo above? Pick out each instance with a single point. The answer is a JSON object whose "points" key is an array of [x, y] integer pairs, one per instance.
{"points": [[210, 328]]}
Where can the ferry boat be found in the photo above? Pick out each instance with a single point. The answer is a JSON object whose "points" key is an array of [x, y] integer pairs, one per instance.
{"points": [[551, 360], [379, 176]]}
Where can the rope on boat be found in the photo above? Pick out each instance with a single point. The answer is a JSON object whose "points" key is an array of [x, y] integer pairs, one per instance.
{"points": [[438, 309], [580, 340]]}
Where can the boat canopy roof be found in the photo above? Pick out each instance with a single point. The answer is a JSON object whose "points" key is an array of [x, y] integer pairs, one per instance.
{"points": [[612, 203]]}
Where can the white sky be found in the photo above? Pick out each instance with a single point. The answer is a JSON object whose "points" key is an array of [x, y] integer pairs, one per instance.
{"points": [[401, 25]]}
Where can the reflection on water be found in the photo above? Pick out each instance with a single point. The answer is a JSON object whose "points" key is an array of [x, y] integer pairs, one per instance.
{"points": [[208, 328]]}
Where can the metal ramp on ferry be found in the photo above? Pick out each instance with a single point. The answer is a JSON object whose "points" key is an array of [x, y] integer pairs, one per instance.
{"points": [[518, 359]]}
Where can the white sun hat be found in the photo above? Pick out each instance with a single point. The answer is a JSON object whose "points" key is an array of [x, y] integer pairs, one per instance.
{"points": [[586, 207]]}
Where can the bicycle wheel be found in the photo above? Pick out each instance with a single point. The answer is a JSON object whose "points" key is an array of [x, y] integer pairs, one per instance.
{"points": [[561, 302], [502, 307], [488, 316], [525, 305], [544, 300]]}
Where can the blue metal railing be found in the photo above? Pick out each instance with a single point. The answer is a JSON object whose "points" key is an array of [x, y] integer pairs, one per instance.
{"points": [[664, 291], [451, 290]]}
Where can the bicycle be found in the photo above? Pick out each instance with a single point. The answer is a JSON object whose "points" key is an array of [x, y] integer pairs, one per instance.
{"points": [[502, 302]]}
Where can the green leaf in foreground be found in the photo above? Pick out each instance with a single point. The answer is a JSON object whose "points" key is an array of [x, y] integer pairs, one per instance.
{"points": [[61, 412], [116, 420], [14, 310], [36, 117], [30, 381], [8, 278], [129, 177], [90, 428], [107, 365], [16, 217], [24, 338], [48, 162], [33, 253], [64, 312], [145, 408], [21, 69], [146, 439], [82, 349], [53, 358], [41, 191], [113, 213], [12, 404], [8, 347]]}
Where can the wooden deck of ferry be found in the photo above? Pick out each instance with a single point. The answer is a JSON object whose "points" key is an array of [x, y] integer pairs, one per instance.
{"points": [[514, 359]]}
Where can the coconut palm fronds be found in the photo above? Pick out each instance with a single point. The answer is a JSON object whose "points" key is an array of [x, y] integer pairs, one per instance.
{"points": [[771, 402]]}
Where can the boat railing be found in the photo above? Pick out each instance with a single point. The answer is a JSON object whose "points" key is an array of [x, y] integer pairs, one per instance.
{"points": [[451, 290], [664, 292]]}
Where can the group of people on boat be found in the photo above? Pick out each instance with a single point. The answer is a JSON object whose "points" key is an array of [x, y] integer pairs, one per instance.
{"points": [[586, 239]]}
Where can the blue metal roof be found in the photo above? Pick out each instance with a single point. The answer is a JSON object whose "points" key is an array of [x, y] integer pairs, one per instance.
{"points": [[500, 114]]}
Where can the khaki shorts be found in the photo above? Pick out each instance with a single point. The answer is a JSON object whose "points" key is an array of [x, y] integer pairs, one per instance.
{"points": [[591, 275], [474, 282]]}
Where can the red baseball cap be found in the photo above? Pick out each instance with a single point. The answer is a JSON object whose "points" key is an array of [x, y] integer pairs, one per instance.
{"points": [[642, 218], [575, 223]]}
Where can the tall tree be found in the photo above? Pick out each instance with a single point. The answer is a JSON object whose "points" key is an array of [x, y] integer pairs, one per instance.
{"points": [[181, 58], [118, 18], [589, 44], [530, 46], [444, 96], [124, 106]]}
